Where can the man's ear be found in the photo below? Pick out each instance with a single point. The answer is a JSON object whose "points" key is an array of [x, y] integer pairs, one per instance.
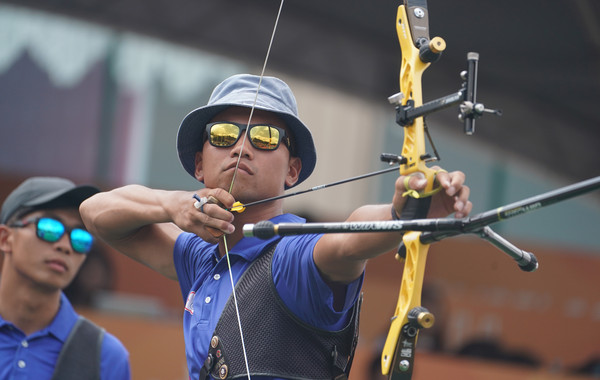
{"points": [[294, 168], [198, 173], [5, 239]]}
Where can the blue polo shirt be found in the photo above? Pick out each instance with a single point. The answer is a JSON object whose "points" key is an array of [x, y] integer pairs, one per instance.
{"points": [[34, 357], [206, 285]]}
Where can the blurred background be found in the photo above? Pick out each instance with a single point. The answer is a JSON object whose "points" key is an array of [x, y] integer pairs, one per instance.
{"points": [[95, 91]]}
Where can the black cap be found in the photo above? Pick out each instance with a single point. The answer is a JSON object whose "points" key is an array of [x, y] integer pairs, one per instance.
{"points": [[40, 191]]}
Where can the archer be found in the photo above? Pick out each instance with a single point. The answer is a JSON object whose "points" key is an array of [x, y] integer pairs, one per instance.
{"points": [[245, 145]]}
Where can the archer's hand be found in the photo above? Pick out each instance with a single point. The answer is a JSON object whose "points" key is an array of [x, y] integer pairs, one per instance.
{"points": [[452, 198], [206, 215]]}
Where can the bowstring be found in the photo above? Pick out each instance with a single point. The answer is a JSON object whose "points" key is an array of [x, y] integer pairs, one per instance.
{"points": [[262, 73]]}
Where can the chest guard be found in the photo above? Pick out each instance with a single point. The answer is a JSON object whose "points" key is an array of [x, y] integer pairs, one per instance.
{"points": [[278, 343]]}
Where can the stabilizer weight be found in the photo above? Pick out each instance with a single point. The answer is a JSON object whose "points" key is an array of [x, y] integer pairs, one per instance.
{"points": [[262, 230]]}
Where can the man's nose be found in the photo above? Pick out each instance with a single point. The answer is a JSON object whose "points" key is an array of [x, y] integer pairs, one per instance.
{"points": [[242, 146], [64, 243]]}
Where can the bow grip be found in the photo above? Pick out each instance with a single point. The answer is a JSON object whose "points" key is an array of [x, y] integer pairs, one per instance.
{"points": [[413, 209]]}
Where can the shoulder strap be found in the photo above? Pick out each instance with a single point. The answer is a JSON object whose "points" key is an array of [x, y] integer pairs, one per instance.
{"points": [[79, 357]]}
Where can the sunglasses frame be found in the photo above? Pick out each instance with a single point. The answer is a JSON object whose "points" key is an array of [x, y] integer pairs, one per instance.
{"points": [[283, 135], [66, 230]]}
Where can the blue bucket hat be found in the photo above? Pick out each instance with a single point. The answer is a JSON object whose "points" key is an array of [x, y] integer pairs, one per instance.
{"points": [[240, 91]]}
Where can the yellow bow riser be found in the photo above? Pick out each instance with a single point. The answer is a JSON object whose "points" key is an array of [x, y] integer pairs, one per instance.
{"points": [[399, 349]]}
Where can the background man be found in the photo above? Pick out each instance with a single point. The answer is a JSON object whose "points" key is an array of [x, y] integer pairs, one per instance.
{"points": [[44, 243]]}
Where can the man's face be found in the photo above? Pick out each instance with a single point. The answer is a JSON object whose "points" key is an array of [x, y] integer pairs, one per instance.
{"points": [[37, 263], [260, 174]]}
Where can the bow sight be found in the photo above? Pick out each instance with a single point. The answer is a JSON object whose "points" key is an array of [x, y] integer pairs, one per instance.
{"points": [[466, 97]]}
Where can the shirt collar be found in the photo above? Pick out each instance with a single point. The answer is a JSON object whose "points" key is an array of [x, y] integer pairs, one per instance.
{"points": [[61, 325], [64, 320]]}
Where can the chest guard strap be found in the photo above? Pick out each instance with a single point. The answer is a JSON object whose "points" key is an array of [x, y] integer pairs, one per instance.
{"points": [[79, 357]]}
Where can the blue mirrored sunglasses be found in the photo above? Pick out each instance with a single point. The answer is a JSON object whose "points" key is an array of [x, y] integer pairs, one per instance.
{"points": [[52, 230]]}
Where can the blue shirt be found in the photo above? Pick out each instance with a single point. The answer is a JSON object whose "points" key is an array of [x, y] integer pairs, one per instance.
{"points": [[34, 357], [206, 285]]}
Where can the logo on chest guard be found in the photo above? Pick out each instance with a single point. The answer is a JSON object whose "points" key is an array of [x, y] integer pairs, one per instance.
{"points": [[189, 303]]}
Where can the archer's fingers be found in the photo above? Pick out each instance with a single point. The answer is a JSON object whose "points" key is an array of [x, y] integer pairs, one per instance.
{"points": [[452, 182], [211, 217], [454, 186], [462, 205], [220, 198]]}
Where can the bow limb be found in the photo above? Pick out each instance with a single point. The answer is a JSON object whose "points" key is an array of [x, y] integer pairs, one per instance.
{"points": [[399, 349], [411, 71]]}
